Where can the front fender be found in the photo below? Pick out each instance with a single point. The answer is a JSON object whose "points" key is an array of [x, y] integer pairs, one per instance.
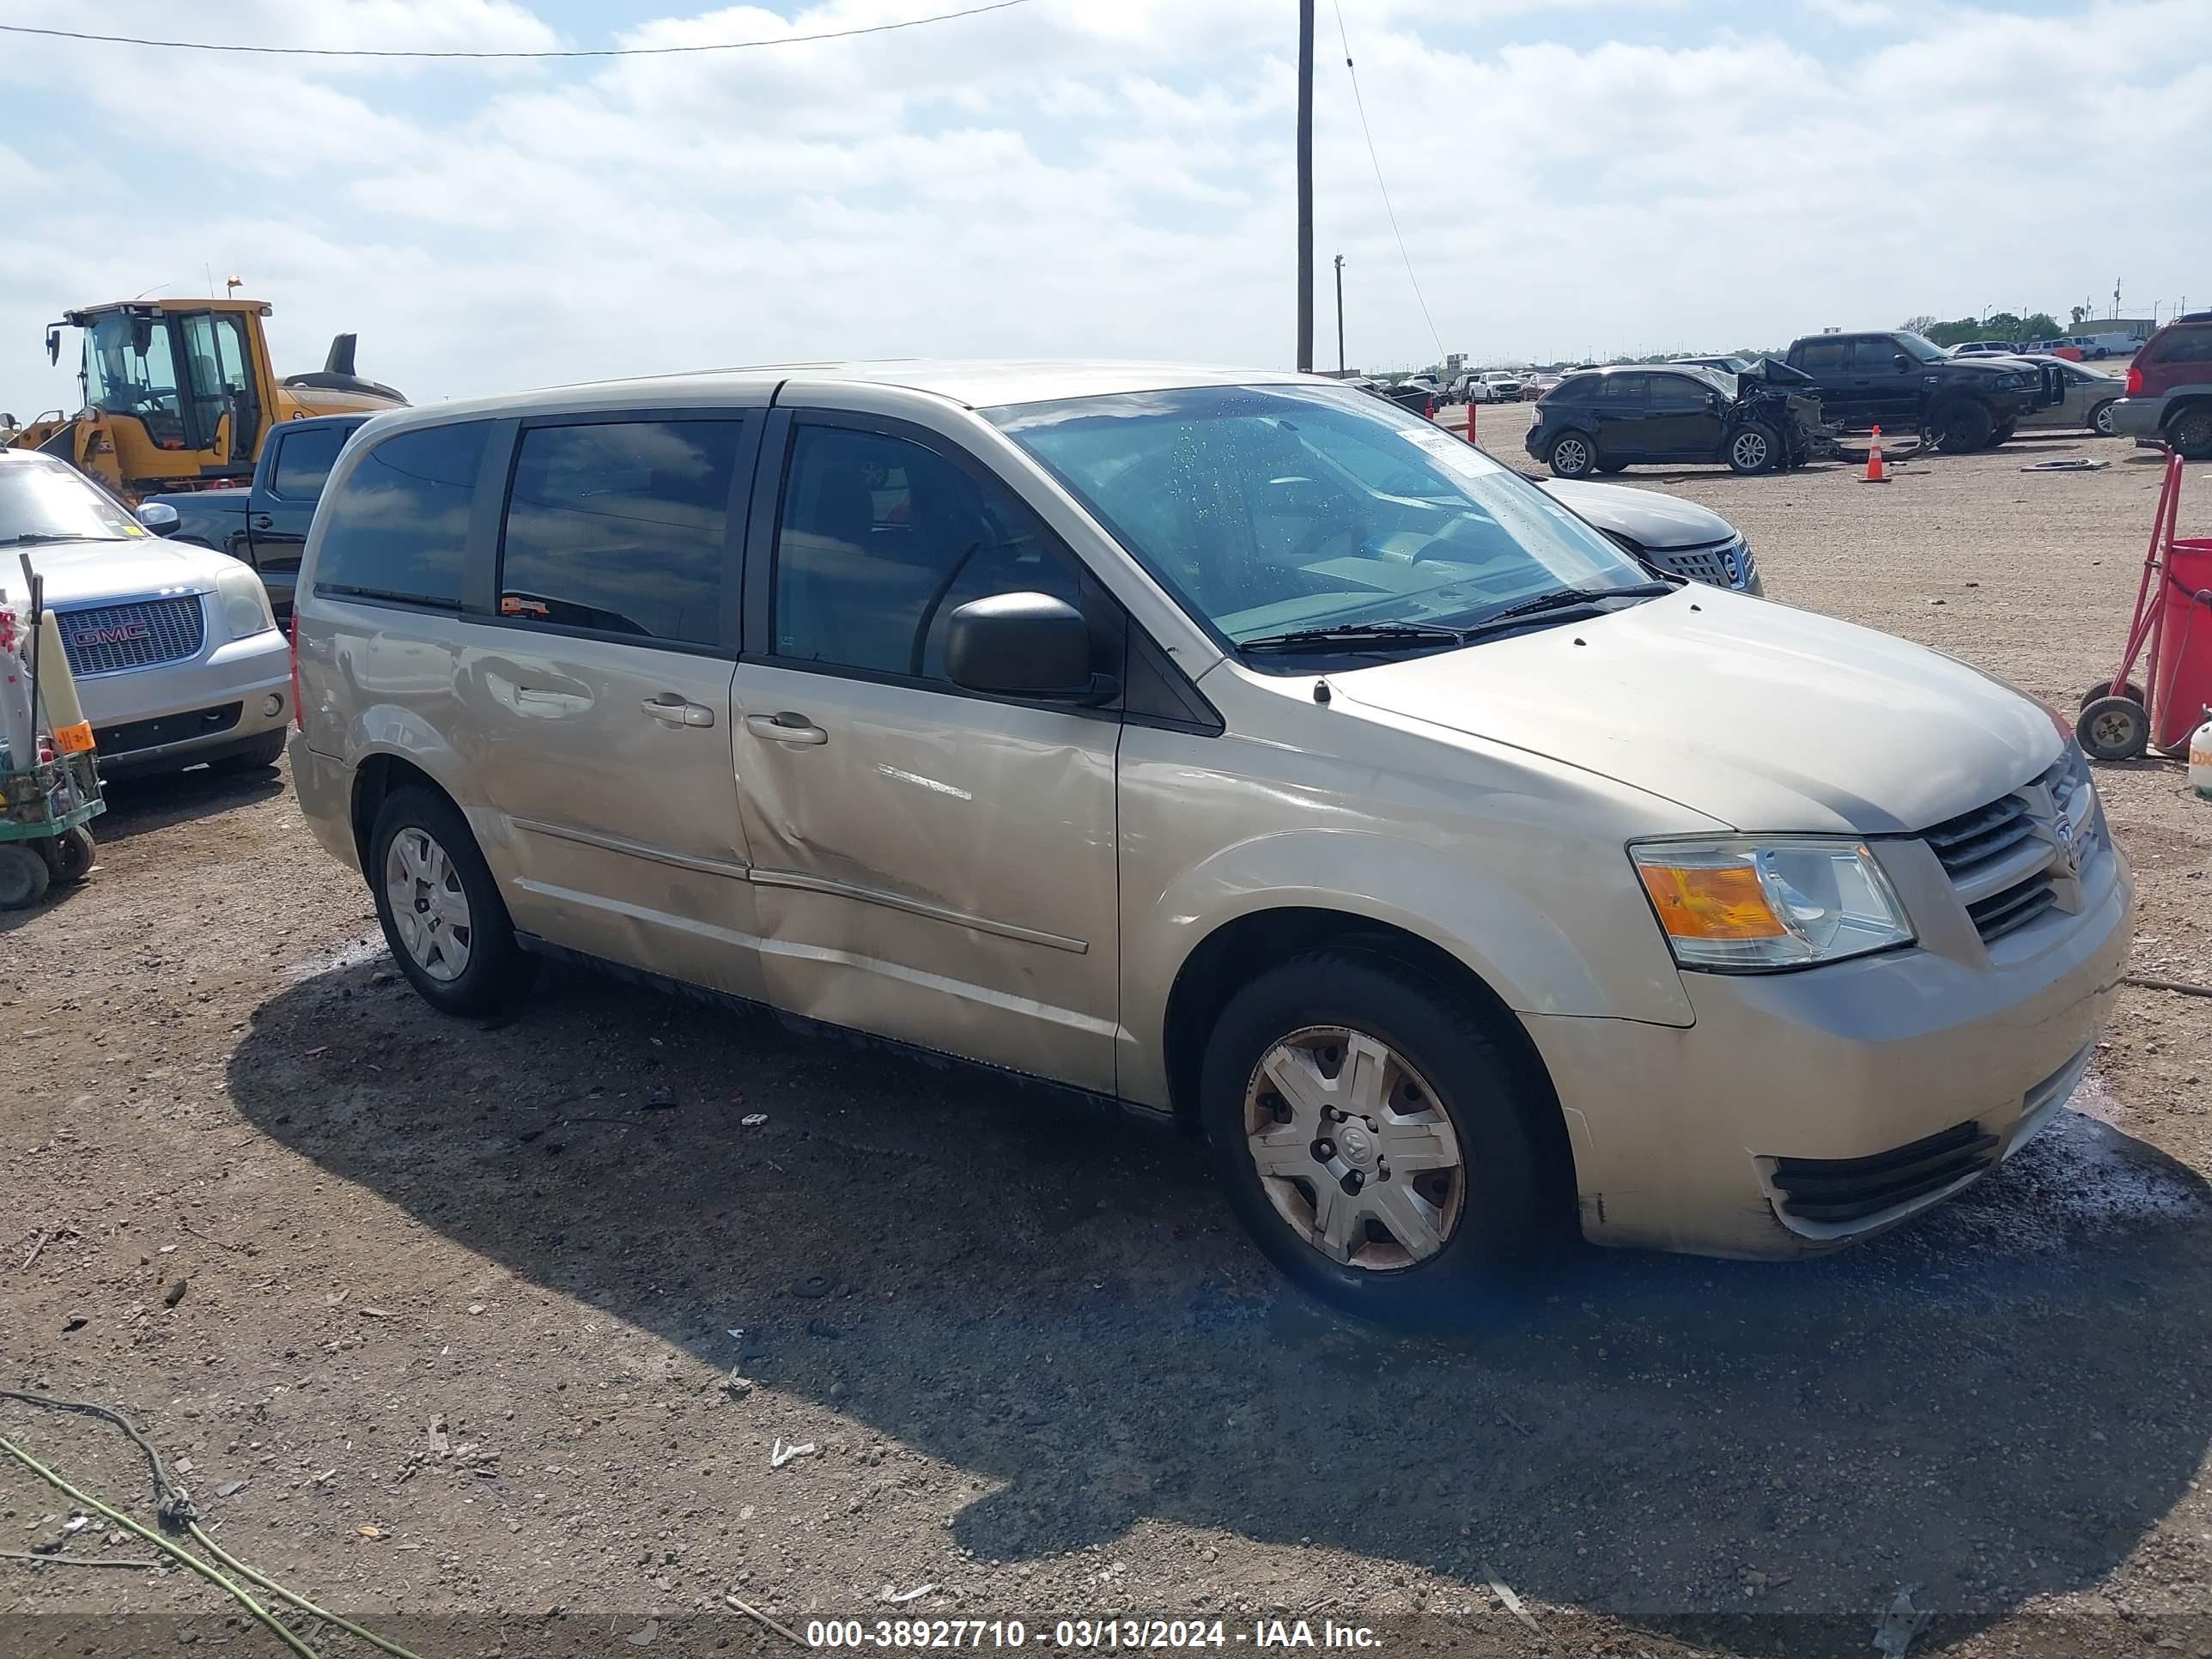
{"points": [[1619, 968]]}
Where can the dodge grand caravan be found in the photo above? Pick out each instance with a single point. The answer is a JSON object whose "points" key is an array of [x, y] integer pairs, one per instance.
{"points": [[1233, 745]]}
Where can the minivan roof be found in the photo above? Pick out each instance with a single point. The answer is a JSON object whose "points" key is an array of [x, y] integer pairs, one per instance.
{"points": [[972, 385]]}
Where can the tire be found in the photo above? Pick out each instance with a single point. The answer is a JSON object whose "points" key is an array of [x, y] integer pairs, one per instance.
{"points": [[2113, 729], [257, 754], [461, 958], [2004, 434], [1572, 455], [2100, 355], [2188, 430], [1753, 448], [2129, 689], [1487, 1214], [1961, 425], [24, 877], [2100, 419], [1611, 467], [70, 856]]}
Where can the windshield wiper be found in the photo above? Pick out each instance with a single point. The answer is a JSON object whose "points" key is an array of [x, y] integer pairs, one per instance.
{"points": [[35, 538], [1568, 598], [1370, 636]]}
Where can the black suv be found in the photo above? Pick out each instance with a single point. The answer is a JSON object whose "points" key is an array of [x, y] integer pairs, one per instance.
{"points": [[1604, 419], [1906, 384]]}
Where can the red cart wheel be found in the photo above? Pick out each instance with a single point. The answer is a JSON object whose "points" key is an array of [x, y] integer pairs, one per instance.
{"points": [[2129, 689], [2113, 729]]}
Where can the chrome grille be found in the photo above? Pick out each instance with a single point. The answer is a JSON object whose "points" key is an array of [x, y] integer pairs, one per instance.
{"points": [[1724, 564], [2006, 857], [101, 639]]}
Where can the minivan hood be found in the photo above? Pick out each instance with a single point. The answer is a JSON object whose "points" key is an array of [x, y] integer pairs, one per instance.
{"points": [[85, 573], [1765, 718], [1649, 518]]}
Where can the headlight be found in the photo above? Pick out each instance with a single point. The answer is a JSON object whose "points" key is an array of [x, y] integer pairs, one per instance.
{"points": [[245, 602], [1765, 904]]}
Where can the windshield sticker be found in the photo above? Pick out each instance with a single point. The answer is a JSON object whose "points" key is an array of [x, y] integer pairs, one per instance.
{"points": [[1459, 457]]}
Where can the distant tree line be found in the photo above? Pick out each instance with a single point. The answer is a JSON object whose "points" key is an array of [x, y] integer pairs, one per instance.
{"points": [[2002, 326]]}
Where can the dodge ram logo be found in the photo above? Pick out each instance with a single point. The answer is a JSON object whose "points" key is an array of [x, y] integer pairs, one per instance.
{"points": [[114, 633]]}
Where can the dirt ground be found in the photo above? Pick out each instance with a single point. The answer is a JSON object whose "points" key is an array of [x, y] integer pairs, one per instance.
{"points": [[436, 1320]]}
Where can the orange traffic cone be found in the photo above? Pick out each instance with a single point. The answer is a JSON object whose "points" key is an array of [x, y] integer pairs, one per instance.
{"points": [[1873, 472]]}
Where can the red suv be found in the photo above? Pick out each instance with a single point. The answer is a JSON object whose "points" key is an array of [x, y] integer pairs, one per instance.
{"points": [[2170, 388]]}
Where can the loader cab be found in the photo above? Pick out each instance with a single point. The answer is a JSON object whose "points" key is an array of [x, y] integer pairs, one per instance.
{"points": [[186, 376]]}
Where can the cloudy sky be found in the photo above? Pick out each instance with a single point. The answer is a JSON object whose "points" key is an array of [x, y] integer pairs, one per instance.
{"points": [[1095, 177]]}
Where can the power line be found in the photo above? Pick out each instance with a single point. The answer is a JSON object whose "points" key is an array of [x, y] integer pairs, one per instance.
{"points": [[596, 51], [1360, 105]]}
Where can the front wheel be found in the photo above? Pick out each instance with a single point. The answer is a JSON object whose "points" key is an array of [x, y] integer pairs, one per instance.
{"points": [[1752, 449], [2003, 433], [1374, 1141], [443, 918], [1573, 455], [1962, 425]]}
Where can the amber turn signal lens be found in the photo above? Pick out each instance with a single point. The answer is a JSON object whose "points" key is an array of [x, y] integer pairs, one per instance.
{"points": [[1722, 902]]}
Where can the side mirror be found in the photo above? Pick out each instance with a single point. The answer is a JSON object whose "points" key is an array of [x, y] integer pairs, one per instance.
{"points": [[1023, 645], [1713, 400], [1904, 364], [160, 517], [53, 345]]}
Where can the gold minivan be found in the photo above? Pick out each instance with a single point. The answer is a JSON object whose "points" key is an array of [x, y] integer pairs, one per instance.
{"points": [[1232, 745]]}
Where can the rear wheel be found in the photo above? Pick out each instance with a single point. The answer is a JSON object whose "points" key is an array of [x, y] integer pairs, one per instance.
{"points": [[442, 911], [1573, 455], [2100, 419], [1374, 1141], [1961, 425], [2189, 432], [2129, 689], [1753, 448], [2113, 729]]}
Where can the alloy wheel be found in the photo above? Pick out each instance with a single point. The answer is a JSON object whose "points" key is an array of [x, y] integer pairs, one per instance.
{"points": [[429, 906], [1353, 1149], [1749, 451]]}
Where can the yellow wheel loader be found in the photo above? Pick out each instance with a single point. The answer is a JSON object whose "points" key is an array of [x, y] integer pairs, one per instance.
{"points": [[179, 394]]}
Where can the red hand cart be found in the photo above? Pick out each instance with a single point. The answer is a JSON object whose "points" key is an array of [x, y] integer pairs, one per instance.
{"points": [[2172, 634]]}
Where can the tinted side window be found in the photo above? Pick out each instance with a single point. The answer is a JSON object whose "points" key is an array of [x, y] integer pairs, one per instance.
{"points": [[620, 527], [304, 460], [1874, 356], [1823, 356], [399, 528], [882, 539], [2182, 345], [1627, 388], [1677, 392], [1579, 390]]}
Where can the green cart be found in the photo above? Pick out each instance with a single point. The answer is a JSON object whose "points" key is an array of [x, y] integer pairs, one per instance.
{"points": [[43, 838]]}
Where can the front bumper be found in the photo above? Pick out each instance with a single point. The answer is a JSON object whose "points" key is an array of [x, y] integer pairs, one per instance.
{"points": [[173, 713], [1838, 1081], [2139, 417]]}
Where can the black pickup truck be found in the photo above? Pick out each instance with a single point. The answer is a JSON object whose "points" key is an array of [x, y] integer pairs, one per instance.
{"points": [[266, 523], [1904, 384]]}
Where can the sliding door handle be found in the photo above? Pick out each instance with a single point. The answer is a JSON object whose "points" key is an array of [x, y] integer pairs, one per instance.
{"points": [[787, 727]]}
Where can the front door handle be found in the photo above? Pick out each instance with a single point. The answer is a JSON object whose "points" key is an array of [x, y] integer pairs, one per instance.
{"points": [[262, 521], [787, 727], [674, 711]]}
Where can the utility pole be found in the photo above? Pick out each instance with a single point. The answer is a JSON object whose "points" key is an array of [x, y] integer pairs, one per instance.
{"points": [[1305, 184], [1339, 313]]}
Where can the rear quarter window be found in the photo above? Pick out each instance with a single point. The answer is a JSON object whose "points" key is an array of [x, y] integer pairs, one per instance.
{"points": [[2182, 345], [397, 528]]}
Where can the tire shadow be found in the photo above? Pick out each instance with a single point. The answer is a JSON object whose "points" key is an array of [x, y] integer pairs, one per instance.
{"points": [[1996, 1403]]}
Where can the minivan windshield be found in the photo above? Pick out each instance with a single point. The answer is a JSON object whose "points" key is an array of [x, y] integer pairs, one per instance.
{"points": [[1272, 509], [44, 500]]}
